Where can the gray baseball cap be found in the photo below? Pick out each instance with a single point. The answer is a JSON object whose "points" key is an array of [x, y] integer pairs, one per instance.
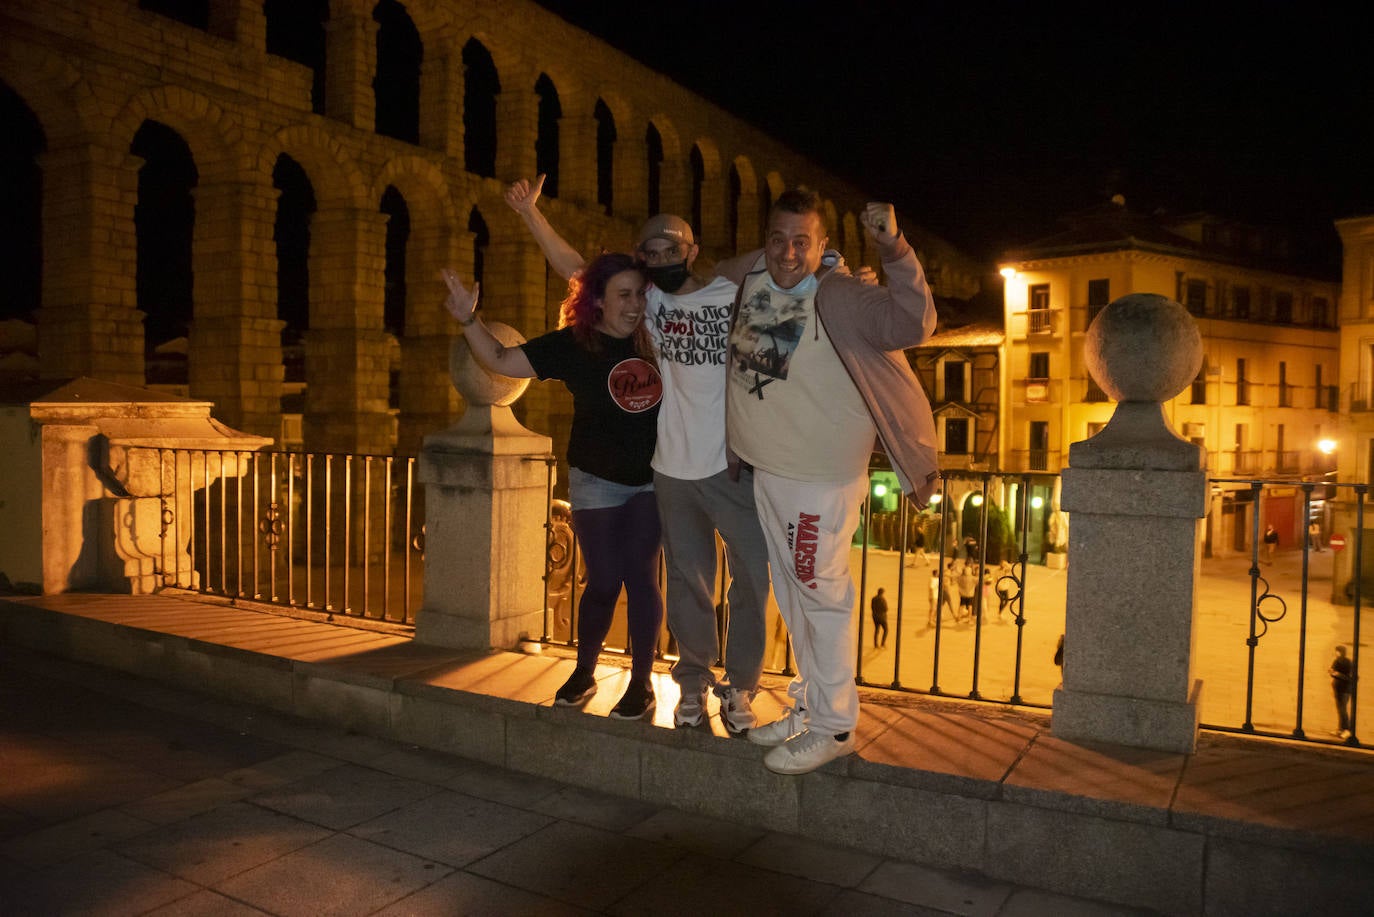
{"points": [[666, 226]]}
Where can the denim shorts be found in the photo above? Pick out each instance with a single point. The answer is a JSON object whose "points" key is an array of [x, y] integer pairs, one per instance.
{"points": [[587, 491]]}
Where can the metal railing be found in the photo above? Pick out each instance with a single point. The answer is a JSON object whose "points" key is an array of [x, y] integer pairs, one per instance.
{"points": [[993, 637], [344, 535], [337, 534]]}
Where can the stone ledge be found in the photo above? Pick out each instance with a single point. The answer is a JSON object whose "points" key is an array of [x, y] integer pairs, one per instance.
{"points": [[1100, 821]]}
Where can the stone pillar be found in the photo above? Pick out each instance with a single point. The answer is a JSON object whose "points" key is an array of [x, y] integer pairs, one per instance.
{"points": [[1135, 494], [577, 151], [486, 502], [517, 126], [235, 358], [630, 175], [350, 63], [89, 323], [347, 354], [428, 401], [441, 99], [240, 21]]}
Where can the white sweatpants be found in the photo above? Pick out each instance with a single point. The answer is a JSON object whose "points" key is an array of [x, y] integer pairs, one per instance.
{"points": [[809, 527]]}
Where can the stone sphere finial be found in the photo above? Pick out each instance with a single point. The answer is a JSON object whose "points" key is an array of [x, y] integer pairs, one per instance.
{"points": [[476, 384], [1143, 347]]}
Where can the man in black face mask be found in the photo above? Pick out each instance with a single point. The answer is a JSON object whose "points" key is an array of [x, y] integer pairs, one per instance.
{"points": [[690, 322]]}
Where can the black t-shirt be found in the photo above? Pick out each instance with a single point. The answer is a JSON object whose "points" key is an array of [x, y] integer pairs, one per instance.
{"points": [[615, 403]]}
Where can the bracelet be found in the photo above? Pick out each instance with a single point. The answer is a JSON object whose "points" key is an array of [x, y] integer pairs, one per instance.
{"points": [[471, 319]]}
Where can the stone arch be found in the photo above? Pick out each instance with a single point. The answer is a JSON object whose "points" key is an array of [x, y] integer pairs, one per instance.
{"points": [[21, 220], [547, 152], [604, 154], [432, 220], [400, 51], [336, 178], [213, 135], [775, 185], [481, 88], [671, 193], [743, 222], [53, 90], [708, 194]]}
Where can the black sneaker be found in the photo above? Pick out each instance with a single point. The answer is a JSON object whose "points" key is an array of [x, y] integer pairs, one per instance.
{"points": [[637, 701], [581, 684]]}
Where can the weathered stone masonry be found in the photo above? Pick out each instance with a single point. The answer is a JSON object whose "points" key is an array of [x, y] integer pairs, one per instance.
{"points": [[94, 71]]}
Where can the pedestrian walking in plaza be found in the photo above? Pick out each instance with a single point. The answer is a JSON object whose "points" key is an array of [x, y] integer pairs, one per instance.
{"points": [[1271, 543], [1340, 673], [1314, 535], [878, 608], [968, 588], [1005, 587]]}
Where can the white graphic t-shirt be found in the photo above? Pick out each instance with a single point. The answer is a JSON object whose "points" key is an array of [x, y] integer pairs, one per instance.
{"points": [[690, 333], [793, 409]]}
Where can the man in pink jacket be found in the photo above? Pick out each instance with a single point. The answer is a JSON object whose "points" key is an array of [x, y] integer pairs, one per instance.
{"points": [[816, 381]]}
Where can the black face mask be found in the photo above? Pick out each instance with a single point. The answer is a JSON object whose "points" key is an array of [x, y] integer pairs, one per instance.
{"points": [[668, 277]]}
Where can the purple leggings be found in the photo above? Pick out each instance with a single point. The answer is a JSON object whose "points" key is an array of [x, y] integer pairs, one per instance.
{"points": [[620, 546]]}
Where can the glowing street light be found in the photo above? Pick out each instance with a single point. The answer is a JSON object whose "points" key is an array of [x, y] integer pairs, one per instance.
{"points": [[1326, 446]]}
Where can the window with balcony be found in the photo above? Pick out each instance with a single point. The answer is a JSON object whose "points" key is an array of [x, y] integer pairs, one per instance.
{"points": [[955, 380], [1195, 296], [1094, 391], [1323, 316], [1199, 391], [1240, 301], [1038, 456], [1283, 307], [1099, 295], [1038, 377], [1285, 393], [1242, 384], [1038, 319], [956, 436]]}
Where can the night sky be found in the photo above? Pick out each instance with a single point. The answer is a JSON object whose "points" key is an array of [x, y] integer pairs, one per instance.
{"points": [[987, 121]]}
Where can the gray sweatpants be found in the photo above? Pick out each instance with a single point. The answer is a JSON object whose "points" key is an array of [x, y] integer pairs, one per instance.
{"points": [[691, 513]]}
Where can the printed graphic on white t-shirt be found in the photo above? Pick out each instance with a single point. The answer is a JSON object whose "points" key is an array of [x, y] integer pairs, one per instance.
{"points": [[769, 327], [691, 331]]}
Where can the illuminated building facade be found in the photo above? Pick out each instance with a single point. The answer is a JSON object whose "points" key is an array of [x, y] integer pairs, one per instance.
{"points": [[1268, 391]]}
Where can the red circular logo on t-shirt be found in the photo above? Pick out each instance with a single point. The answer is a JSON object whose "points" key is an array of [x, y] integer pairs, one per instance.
{"points": [[635, 385]]}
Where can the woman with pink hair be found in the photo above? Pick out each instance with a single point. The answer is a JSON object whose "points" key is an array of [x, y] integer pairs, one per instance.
{"points": [[603, 354]]}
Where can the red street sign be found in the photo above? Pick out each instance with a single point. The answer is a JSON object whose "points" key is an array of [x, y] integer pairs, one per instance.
{"points": [[1336, 541]]}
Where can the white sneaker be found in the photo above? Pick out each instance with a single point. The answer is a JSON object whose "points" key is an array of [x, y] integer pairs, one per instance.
{"points": [[691, 708], [736, 710], [805, 752], [779, 731]]}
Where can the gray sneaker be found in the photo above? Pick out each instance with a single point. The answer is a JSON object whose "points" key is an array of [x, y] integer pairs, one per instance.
{"points": [[775, 733], [691, 708], [736, 710]]}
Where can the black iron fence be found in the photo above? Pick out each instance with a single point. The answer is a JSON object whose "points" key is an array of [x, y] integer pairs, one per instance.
{"points": [[337, 534], [976, 585]]}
